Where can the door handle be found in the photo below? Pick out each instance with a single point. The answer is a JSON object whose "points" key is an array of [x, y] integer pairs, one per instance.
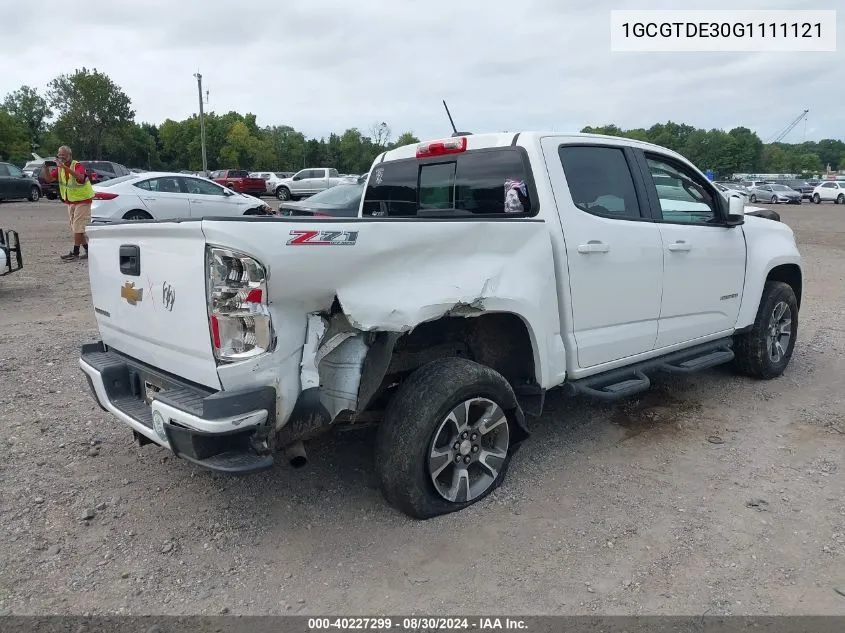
{"points": [[148, 199], [680, 245], [192, 201], [593, 246]]}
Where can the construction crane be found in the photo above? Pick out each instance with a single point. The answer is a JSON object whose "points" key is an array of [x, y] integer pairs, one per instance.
{"points": [[780, 135]]}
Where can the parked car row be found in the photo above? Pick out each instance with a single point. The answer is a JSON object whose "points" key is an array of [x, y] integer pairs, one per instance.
{"points": [[788, 191]]}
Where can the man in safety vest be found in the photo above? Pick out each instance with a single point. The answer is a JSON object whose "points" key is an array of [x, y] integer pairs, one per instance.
{"points": [[77, 192]]}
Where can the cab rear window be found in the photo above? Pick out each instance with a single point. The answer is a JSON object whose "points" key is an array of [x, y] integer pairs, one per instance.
{"points": [[488, 182]]}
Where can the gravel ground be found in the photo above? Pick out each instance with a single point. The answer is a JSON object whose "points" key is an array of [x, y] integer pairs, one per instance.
{"points": [[625, 509]]}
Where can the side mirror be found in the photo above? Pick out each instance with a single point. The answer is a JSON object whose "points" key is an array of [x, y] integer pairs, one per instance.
{"points": [[736, 206], [228, 192], [297, 177]]}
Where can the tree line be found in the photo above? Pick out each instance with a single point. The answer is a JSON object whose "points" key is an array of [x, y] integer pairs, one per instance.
{"points": [[737, 151], [89, 112]]}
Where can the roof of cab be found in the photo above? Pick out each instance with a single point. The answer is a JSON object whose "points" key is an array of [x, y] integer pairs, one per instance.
{"points": [[504, 139]]}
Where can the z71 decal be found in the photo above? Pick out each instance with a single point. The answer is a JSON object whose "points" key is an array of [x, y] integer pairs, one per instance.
{"points": [[323, 238]]}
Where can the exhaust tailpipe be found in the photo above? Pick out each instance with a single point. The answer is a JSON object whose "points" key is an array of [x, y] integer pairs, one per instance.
{"points": [[296, 454]]}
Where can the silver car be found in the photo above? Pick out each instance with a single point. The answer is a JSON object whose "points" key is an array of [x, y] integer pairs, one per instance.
{"points": [[774, 194]]}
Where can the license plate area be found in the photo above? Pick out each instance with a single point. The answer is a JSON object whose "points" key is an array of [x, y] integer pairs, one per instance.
{"points": [[150, 390]]}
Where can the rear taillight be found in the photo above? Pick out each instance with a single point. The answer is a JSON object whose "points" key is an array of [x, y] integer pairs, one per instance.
{"points": [[238, 312], [104, 195]]}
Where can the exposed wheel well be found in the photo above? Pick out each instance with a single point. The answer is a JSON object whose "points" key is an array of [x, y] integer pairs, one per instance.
{"points": [[498, 340], [788, 274]]}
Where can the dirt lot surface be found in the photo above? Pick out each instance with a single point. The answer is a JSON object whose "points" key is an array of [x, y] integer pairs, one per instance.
{"points": [[625, 509]]}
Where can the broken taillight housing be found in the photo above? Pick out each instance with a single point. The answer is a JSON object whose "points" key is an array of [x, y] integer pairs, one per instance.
{"points": [[238, 311]]}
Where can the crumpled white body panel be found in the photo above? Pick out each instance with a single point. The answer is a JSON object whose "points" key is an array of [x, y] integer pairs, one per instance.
{"points": [[396, 275]]}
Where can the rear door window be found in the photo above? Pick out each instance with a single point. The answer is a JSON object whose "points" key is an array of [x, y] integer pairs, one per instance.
{"points": [[482, 182]]}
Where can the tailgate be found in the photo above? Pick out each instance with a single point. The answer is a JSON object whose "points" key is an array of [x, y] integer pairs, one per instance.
{"points": [[154, 307]]}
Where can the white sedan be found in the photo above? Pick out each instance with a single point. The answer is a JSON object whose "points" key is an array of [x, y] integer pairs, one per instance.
{"points": [[168, 195], [731, 191], [830, 191]]}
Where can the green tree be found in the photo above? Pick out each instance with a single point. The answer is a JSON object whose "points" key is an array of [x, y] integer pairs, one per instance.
{"points": [[774, 159], [749, 149], [30, 108], [90, 106], [14, 140], [406, 138]]}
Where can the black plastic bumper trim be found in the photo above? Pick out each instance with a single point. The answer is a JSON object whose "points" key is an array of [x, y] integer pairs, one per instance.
{"points": [[229, 451]]}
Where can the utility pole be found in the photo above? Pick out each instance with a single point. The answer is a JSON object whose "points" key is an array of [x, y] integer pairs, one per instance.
{"points": [[202, 125]]}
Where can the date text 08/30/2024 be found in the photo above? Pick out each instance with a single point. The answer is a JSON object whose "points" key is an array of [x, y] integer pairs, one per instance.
{"points": [[417, 623]]}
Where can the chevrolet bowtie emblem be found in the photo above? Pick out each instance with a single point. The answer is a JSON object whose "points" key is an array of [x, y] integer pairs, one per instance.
{"points": [[132, 294]]}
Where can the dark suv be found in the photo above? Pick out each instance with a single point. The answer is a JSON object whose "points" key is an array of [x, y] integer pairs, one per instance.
{"points": [[101, 170]]}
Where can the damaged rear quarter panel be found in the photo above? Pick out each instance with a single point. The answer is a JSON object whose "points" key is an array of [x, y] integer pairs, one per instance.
{"points": [[395, 276]]}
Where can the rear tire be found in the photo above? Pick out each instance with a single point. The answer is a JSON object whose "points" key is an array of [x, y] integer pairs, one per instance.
{"points": [[34, 194], [137, 214], [445, 404], [765, 351], [752, 199]]}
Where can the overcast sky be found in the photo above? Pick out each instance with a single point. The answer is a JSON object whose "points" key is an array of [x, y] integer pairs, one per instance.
{"points": [[328, 65]]}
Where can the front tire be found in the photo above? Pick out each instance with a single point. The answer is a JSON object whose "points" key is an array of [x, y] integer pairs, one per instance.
{"points": [[816, 198], [765, 350], [840, 199], [774, 200], [283, 194], [447, 438], [34, 194]]}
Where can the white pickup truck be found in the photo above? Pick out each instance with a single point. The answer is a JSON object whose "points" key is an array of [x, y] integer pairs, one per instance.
{"points": [[481, 272], [307, 182]]}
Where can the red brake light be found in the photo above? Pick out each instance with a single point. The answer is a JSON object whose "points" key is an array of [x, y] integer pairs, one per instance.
{"points": [[215, 331], [104, 195], [255, 296], [439, 148]]}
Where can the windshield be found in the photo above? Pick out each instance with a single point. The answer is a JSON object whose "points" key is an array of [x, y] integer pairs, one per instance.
{"points": [[339, 195]]}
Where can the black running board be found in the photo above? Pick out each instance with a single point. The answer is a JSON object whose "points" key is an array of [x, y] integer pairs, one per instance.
{"points": [[624, 382], [700, 363]]}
